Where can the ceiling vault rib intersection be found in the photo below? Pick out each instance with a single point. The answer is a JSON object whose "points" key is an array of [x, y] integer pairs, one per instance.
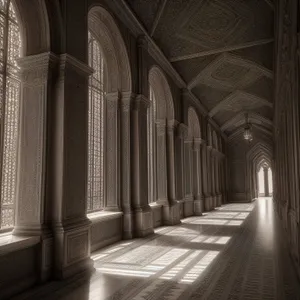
{"points": [[158, 16]]}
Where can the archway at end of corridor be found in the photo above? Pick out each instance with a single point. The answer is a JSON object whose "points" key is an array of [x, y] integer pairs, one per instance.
{"points": [[265, 180]]}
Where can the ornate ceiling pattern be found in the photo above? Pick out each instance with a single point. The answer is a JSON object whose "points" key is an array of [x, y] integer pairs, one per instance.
{"points": [[223, 49]]}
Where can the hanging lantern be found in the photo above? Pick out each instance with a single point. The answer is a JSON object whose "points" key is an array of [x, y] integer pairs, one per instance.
{"points": [[248, 130]]}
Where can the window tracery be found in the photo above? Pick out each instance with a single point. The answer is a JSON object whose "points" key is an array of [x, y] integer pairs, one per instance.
{"points": [[95, 198], [10, 44]]}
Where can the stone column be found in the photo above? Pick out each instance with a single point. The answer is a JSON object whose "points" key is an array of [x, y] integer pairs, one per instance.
{"points": [[142, 210], [209, 198], [112, 155], [164, 178], [126, 170], [212, 177], [161, 161], [218, 192], [68, 168], [188, 201], [179, 159], [198, 203], [266, 182], [172, 215], [204, 177], [33, 205]]}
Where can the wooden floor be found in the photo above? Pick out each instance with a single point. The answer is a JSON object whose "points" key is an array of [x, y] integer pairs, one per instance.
{"points": [[234, 252]]}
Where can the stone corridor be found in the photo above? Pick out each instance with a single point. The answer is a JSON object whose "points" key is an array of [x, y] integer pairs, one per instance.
{"points": [[234, 252]]}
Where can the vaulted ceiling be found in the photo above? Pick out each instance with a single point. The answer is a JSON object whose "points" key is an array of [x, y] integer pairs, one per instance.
{"points": [[223, 49]]}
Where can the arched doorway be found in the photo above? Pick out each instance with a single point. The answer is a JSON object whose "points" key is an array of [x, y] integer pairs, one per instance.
{"points": [[265, 181]]}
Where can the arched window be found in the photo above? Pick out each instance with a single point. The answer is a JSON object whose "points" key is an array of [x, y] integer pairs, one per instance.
{"points": [[10, 44], [95, 199]]}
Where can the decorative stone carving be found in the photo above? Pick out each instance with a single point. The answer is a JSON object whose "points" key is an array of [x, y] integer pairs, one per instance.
{"points": [[229, 72], [212, 24]]}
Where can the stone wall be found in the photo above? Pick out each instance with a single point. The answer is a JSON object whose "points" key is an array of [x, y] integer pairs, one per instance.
{"points": [[286, 119]]}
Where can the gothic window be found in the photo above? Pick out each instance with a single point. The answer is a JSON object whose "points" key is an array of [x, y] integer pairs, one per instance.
{"points": [[95, 197], [10, 44]]}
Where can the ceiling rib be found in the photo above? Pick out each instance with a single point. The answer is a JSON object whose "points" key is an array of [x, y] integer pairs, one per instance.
{"points": [[220, 50], [158, 16], [270, 3]]}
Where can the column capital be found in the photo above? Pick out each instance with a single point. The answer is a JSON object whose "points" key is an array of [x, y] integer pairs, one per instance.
{"points": [[160, 123], [34, 69], [182, 130], [209, 148], [127, 100], [113, 96], [67, 60], [197, 144], [172, 124], [140, 102]]}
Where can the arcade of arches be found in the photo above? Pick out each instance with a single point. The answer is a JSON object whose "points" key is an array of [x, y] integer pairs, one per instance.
{"points": [[122, 130]]}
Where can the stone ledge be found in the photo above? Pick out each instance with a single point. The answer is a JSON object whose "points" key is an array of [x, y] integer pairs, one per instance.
{"points": [[155, 205], [10, 243], [102, 216]]}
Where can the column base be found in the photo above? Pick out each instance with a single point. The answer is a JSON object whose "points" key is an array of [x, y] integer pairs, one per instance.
{"points": [[188, 207], [208, 203], [213, 202], [219, 200], [198, 206], [143, 222], [85, 267], [171, 214], [72, 248], [128, 226]]}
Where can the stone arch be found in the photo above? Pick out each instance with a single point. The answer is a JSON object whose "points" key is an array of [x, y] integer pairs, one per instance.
{"points": [[194, 130], [163, 95], [258, 154], [34, 24], [105, 29]]}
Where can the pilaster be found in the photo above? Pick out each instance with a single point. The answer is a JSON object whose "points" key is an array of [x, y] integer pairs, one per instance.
{"points": [[188, 171], [33, 214], [142, 210], [68, 167], [209, 197], [198, 203], [172, 212], [126, 169]]}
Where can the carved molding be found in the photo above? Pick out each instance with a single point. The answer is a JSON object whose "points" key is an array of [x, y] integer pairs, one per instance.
{"points": [[229, 72]]}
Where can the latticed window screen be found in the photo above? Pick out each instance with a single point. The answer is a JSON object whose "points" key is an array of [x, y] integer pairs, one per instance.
{"points": [[10, 45], [95, 198]]}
